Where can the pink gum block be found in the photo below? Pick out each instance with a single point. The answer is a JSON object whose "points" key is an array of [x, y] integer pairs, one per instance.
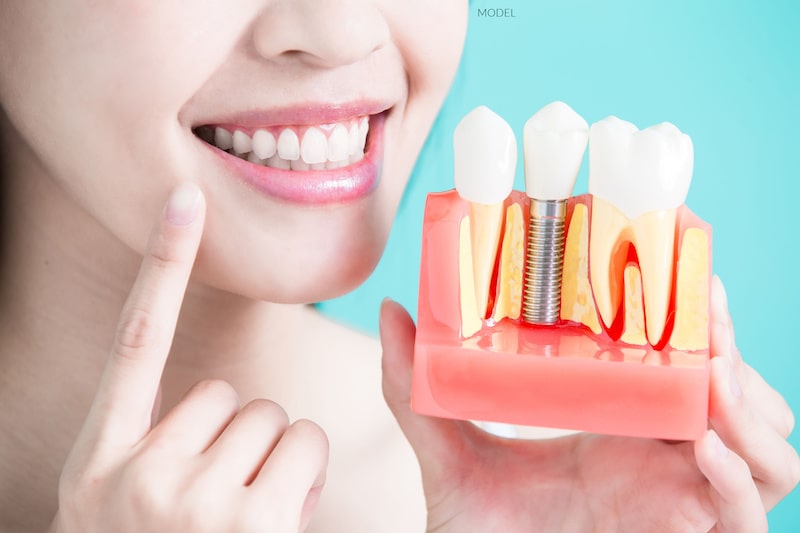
{"points": [[562, 376]]}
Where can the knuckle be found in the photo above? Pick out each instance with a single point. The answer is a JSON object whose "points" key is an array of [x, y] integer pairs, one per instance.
{"points": [[218, 390], [311, 434], [137, 329], [267, 411], [162, 253]]}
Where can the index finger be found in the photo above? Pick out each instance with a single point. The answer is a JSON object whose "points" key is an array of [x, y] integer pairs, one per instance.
{"points": [[124, 402]]}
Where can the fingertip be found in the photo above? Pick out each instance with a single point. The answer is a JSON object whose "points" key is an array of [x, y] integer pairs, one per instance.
{"points": [[184, 204]]}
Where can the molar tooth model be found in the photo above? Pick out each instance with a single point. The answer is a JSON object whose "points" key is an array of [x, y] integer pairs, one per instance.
{"points": [[627, 351]]}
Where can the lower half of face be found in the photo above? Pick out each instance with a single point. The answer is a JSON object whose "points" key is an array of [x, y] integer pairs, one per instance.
{"points": [[300, 122]]}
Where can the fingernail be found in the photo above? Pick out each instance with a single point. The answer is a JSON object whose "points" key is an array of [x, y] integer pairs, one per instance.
{"points": [[719, 446], [183, 204], [736, 389], [385, 301]]}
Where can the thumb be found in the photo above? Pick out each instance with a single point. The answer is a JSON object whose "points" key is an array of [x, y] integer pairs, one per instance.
{"points": [[440, 444]]}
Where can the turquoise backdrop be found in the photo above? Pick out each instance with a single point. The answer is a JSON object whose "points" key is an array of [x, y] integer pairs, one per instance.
{"points": [[725, 72]]}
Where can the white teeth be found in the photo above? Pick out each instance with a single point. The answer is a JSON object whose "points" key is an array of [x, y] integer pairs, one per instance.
{"points": [[288, 145], [352, 139], [343, 145], [223, 139], [638, 180], [264, 144], [299, 164], [337, 144], [363, 128], [639, 171], [253, 158], [242, 143], [485, 157], [314, 148], [276, 162], [555, 140]]}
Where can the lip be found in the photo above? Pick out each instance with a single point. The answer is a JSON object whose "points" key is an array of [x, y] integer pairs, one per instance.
{"points": [[314, 187]]}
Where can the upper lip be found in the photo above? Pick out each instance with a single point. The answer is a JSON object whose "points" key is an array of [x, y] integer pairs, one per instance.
{"points": [[302, 114]]}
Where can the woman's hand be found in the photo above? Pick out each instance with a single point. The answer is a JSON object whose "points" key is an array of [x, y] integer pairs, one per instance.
{"points": [[725, 482], [209, 465]]}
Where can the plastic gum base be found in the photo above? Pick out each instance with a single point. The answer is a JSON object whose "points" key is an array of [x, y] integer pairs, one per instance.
{"points": [[561, 376]]}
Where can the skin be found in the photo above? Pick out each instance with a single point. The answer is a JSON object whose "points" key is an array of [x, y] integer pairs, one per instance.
{"points": [[99, 101], [132, 417]]}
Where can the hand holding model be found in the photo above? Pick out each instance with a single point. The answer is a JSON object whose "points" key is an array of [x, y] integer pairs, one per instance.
{"points": [[726, 481], [209, 465]]}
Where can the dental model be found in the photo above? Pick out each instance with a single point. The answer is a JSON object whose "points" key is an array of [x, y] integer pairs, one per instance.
{"points": [[485, 153], [638, 179], [555, 140], [627, 352]]}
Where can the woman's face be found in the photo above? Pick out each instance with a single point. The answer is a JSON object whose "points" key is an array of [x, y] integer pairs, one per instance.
{"points": [[115, 100]]}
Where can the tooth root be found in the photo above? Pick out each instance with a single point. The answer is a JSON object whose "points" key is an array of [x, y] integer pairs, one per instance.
{"points": [[487, 221], [607, 258], [655, 247], [264, 144], [470, 319], [633, 331], [288, 145], [314, 148]]}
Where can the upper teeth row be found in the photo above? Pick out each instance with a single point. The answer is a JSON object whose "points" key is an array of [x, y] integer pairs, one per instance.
{"points": [[318, 147]]}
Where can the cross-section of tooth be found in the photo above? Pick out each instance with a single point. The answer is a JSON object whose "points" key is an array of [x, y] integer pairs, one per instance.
{"points": [[223, 139], [638, 180], [337, 144], [485, 152], [314, 148], [264, 144], [288, 145]]}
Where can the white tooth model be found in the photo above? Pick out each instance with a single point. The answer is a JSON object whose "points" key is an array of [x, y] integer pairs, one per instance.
{"points": [[485, 152], [638, 180], [555, 141]]}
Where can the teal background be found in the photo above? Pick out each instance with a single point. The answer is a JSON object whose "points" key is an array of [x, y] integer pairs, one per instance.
{"points": [[725, 72]]}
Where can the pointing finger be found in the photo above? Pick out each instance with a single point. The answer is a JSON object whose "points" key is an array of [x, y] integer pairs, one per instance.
{"points": [[124, 403]]}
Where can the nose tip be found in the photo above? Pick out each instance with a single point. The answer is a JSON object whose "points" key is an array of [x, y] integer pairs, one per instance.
{"points": [[322, 34]]}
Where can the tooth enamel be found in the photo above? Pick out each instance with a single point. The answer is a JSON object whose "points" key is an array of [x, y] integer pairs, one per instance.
{"points": [[264, 144], [223, 139], [288, 145], [333, 165], [363, 128], [242, 142], [356, 157], [555, 140], [352, 140], [318, 166], [638, 180], [253, 158], [276, 162], [299, 164], [338, 144], [314, 148]]}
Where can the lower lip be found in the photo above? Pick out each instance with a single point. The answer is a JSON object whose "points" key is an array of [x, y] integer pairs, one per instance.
{"points": [[316, 187]]}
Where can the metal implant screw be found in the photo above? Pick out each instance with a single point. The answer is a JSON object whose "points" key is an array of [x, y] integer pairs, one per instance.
{"points": [[544, 262]]}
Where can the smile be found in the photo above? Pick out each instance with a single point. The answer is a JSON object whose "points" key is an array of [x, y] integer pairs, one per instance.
{"points": [[320, 147], [331, 162]]}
